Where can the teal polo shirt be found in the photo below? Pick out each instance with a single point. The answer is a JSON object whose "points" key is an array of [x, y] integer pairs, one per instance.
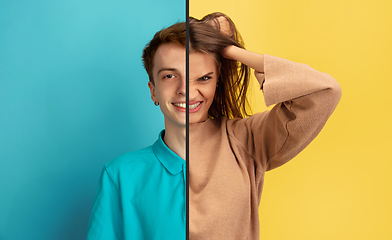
{"points": [[141, 195]]}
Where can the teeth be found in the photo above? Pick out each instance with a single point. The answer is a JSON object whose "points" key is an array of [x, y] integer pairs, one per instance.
{"points": [[183, 105], [194, 105]]}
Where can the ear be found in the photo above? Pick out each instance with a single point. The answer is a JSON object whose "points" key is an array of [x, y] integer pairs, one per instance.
{"points": [[152, 91]]}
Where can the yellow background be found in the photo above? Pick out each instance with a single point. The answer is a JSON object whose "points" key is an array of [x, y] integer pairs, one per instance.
{"points": [[340, 187]]}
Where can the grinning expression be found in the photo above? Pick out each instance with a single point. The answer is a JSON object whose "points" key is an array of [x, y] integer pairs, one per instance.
{"points": [[169, 87]]}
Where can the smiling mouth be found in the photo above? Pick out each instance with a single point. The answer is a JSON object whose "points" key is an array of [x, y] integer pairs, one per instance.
{"points": [[183, 105]]}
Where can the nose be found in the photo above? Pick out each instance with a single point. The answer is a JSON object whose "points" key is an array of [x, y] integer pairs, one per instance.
{"points": [[193, 89], [181, 90]]}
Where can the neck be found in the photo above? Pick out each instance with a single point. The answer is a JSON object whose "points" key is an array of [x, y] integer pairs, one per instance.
{"points": [[175, 139]]}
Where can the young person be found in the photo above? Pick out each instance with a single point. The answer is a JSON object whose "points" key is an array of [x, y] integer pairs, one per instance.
{"points": [[229, 153], [142, 194]]}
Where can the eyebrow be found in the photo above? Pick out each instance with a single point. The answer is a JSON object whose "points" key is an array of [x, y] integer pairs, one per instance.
{"points": [[208, 73], [167, 69]]}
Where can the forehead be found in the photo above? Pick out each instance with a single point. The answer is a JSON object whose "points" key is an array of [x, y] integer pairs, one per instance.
{"points": [[200, 63], [173, 56], [169, 55]]}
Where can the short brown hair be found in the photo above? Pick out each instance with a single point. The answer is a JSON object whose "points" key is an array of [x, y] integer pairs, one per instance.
{"points": [[233, 81], [176, 33]]}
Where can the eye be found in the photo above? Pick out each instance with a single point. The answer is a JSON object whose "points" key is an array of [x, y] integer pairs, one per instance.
{"points": [[169, 76], [204, 78]]}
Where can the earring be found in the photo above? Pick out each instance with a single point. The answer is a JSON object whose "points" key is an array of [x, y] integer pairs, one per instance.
{"points": [[156, 103]]}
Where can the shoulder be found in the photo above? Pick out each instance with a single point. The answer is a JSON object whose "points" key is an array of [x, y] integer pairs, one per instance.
{"points": [[255, 119], [131, 161], [233, 125]]}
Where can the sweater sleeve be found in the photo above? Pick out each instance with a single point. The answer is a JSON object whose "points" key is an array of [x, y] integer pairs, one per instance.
{"points": [[106, 217], [304, 98]]}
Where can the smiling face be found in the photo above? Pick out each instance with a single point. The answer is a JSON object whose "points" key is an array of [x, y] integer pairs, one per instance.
{"points": [[169, 87]]}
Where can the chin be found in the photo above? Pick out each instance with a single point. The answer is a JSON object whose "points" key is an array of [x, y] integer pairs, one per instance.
{"points": [[197, 119]]}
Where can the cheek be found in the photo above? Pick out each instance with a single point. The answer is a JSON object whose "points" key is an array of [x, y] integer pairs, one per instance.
{"points": [[160, 95], [212, 93], [161, 90], [213, 89], [209, 92]]}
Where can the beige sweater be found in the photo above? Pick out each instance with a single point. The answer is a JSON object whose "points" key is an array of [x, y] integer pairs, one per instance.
{"points": [[228, 158]]}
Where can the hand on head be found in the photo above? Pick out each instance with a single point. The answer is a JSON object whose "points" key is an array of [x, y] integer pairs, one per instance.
{"points": [[222, 24]]}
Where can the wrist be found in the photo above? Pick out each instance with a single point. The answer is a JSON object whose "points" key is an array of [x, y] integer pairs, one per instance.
{"points": [[251, 59], [231, 52]]}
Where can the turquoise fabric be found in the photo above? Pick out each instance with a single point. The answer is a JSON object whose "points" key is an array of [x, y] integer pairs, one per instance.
{"points": [[141, 195]]}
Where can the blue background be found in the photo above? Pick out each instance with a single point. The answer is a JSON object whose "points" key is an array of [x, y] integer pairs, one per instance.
{"points": [[73, 96]]}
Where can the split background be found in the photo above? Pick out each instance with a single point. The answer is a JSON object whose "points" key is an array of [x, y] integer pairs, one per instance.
{"points": [[340, 187], [74, 95]]}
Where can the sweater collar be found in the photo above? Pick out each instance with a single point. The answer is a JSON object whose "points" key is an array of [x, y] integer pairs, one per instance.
{"points": [[169, 159]]}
